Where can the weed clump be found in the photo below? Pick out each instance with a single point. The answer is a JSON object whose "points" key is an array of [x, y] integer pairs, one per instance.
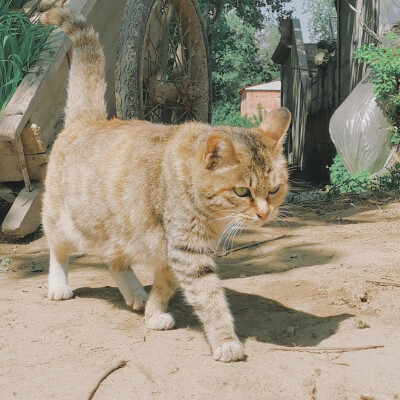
{"points": [[21, 43]]}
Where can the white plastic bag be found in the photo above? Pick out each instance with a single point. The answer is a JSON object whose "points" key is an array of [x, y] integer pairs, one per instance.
{"points": [[359, 131]]}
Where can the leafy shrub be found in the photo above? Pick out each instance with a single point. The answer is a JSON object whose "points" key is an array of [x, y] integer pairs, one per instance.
{"points": [[17, 4], [341, 180], [385, 63], [390, 180], [228, 114], [20, 45]]}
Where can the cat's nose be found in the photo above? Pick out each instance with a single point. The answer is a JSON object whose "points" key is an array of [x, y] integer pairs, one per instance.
{"points": [[263, 216]]}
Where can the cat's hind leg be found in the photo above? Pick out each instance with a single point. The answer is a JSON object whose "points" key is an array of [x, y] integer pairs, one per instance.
{"points": [[131, 289], [58, 288], [163, 288]]}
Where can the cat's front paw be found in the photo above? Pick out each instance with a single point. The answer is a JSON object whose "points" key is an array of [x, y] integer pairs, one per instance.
{"points": [[228, 351], [60, 293], [160, 322]]}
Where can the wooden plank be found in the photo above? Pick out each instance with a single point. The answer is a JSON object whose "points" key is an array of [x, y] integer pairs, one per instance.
{"points": [[33, 143], [19, 150], [48, 114], [32, 89], [24, 215], [31, 6], [6, 148], [40, 98], [10, 170]]}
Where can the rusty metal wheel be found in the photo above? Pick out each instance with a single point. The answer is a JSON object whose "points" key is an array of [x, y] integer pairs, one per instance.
{"points": [[163, 73]]}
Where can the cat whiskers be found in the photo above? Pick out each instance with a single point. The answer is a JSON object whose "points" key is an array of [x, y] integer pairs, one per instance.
{"points": [[220, 211], [229, 232], [239, 229], [224, 233], [232, 233], [222, 218], [281, 222]]}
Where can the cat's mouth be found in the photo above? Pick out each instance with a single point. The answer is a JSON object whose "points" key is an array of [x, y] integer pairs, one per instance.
{"points": [[259, 219]]}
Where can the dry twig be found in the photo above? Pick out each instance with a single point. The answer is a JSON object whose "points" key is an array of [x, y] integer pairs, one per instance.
{"points": [[121, 364], [326, 349], [382, 283], [223, 253], [363, 24]]}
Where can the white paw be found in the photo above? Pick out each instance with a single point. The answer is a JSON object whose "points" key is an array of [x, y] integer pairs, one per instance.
{"points": [[140, 301], [160, 322], [231, 350], [60, 293]]}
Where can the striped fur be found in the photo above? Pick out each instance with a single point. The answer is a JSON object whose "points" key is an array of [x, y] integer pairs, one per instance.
{"points": [[87, 86], [160, 196]]}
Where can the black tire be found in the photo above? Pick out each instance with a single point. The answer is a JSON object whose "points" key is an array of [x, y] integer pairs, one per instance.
{"points": [[169, 81]]}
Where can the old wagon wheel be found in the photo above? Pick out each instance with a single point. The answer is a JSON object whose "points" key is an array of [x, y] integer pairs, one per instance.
{"points": [[163, 72]]}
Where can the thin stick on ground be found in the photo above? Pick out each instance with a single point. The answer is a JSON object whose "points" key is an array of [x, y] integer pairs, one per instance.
{"points": [[246, 246], [326, 349], [382, 283], [121, 364]]}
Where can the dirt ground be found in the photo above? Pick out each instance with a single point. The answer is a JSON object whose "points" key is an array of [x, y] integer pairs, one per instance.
{"points": [[316, 287]]}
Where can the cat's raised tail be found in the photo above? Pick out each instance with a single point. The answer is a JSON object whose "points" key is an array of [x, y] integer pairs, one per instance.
{"points": [[87, 86]]}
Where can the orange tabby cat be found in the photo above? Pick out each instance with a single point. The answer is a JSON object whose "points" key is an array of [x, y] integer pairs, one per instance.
{"points": [[142, 193]]}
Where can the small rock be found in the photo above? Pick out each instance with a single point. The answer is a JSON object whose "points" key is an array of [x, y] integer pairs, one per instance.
{"points": [[370, 396], [367, 397], [293, 256], [363, 297]]}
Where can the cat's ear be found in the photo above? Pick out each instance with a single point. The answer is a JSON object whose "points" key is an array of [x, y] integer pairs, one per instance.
{"points": [[275, 124], [219, 152]]}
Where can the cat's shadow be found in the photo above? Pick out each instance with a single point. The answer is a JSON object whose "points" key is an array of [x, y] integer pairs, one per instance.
{"points": [[252, 262], [256, 317]]}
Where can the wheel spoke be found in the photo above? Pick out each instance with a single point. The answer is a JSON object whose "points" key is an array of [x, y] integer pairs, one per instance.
{"points": [[170, 42], [173, 81]]}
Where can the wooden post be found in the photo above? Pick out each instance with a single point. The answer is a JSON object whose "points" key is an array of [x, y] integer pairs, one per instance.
{"points": [[19, 150], [24, 215]]}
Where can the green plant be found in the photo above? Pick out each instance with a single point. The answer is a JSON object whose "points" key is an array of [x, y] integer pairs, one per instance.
{"points": [[17, 4], [228, 114], [360, 324], [235, 56], [385, 63], [320, 13], [20, 45], [390, 180], [341, 180]]}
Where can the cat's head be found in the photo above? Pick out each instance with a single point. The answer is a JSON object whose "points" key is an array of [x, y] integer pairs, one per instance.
{"points": [[240, 174]]}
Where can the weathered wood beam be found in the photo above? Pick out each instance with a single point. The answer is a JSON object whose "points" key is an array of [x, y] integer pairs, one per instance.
{"points": [[23, 217]]}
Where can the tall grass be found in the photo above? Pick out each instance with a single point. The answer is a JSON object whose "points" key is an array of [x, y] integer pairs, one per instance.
{"points": [[16, 4], [21, 42]]}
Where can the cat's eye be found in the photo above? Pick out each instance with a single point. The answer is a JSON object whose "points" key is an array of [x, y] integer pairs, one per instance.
{"points": [[274, 190], [242, 191]]}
